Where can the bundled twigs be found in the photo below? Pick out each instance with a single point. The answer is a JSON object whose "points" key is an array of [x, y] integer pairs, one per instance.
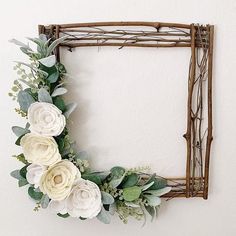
{"points": [[199, 39]]}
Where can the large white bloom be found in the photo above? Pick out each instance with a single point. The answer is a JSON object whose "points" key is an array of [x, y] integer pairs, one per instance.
{"points": [[34, 174], [46, 119], [84, 200], [58, 180], [40, 150]]}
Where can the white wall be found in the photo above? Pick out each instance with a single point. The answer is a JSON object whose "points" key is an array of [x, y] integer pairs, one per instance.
{"points": [[123, 130]]}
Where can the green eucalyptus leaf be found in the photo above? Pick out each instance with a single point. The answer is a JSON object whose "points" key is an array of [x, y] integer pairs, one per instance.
{"points": [[132, 193], [23, 171], [63, 215], [130, 180], [18, 131], [34, 194], [104, 216], [101, 174], [18, 140], [117, 171], [22, 182], [44, 96], [159, 192], [25, 100], [92, 177], [153, 200], [21, 158], [59, 103], [107, 198], [44, 201], [49, 61], [116, 182], [53, 77], [69, 109], [16, 174], [117, 176]]}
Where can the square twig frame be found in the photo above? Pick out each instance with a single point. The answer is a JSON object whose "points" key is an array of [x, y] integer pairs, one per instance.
{"points": [[199, 38]]}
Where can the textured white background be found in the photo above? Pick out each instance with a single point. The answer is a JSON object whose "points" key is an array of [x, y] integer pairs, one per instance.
{"points": [[126, 114]]}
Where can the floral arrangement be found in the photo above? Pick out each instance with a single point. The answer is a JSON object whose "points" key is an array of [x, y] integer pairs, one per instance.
{"points": [[58, 176]]}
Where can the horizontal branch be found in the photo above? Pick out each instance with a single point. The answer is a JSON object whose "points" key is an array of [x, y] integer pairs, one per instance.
{"points": [[74, 45], [125, 23], [126, 32]]}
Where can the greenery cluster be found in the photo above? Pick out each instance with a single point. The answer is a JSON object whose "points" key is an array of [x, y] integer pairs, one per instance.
{"points": [[128, 192]]}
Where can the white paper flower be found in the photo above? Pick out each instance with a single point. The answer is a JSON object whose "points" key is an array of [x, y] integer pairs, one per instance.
{"points": [[34, 174], [84, 200], [46, 119], [40, 150], [58, 206], [58, 180]]}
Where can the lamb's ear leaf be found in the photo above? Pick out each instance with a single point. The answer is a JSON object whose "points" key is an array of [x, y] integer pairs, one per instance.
{"points": [[25, 100], [104, 216], [49, 61], [59, 92], [151, 211], [159, 192], [18, 43], [153, 200], [69, 109], [147, 186], [44, 96], [55, 43]]}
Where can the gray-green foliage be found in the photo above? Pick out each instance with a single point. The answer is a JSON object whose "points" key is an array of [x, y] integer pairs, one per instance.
{"points": [[107, 198], [19, 131], [117, 175], [104, 216], [44, 96], [124, 191], [25, 100]]}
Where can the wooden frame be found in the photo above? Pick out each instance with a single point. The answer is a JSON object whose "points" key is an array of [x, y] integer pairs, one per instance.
{"points": [[199, 39]]}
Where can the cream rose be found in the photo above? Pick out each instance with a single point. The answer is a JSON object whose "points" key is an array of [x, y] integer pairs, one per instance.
{"points": [[34, 174], [58, 180], [46, 119], [40, 150], [84, 200]]}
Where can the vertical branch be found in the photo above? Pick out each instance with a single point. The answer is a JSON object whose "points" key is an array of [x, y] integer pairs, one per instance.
{"points": [[187, 135], [41, 29], [209, 101], [57, 48]]}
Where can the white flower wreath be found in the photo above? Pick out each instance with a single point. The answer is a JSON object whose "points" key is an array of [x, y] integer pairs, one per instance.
{"points": [[58, 177]]}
